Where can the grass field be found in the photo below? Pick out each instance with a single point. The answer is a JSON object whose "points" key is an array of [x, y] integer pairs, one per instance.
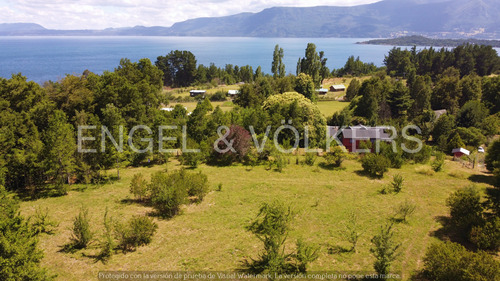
{"points": [[328, 108], [211, 235]]}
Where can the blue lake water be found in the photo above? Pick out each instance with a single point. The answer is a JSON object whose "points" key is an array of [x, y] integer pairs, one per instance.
{"points": [[50, 58]]}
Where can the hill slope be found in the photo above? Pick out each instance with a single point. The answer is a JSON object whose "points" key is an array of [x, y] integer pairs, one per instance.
{"points": [[388, 18]]}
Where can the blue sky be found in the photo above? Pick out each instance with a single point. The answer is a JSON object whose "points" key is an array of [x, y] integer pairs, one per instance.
{"points": [[98, 14]]}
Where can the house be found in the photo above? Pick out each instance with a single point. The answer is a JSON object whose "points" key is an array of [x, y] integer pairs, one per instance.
{"points": [[195, 93], [322, 91], [233, 93], [356, 134], [459, 152], [337, 88]]}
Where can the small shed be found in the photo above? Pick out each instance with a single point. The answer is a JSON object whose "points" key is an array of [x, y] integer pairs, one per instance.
{"points": [[233, 93], [195, 93], [337, 88], [322, 91], [439, 112], [459, 152]]}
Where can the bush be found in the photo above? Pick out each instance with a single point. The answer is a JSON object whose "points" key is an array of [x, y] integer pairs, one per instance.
{"points": [[465, 208], [487, 237], [425, 170], [375, 164], [335, 157], [310, 159], [138, 187], [272, 226], [423, 156], [42, 223], [396, 158], [438, 163], [450, 261], [82, 235], [197, 185], [170, 191], [167, 193], [404, 210], [241, 144], [492, 159], [218, 96], [397, 183], [137, 232]]}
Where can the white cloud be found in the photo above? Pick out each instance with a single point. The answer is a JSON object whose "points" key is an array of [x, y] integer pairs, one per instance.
{"points": [[98, 14]]}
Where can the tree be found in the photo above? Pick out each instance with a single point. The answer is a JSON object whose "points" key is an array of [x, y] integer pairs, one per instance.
{"points": [[420, 92], [400, 101], [138, 187], [59, 150], [304, 85], [384, 249], [82, 235], [443, 128], [491, 94], [20, 256], [472, 114], [353, 89], [448, 91], [311, 64], [278, 67], [179, 68], [241, 142], [492, 159], [471, 88], [271, 226]]}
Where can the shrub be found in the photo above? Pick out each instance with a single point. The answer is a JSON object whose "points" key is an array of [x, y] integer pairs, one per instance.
{"points": [[438, 163], [450, 261], [397, 183], [425, 170], [396, 157], [42, 223], [107, 243], [384, 249], [465, 208], [375, 164], [271, 226], [167, 193], [487, 237], [170, 191], [492, 158], [82, 235], [218, 96], [335, 157], [138, 231], [138, 187], [352, 231], [197, 185], [310, 159], [404, 210], [241, 144], [191, 159]]}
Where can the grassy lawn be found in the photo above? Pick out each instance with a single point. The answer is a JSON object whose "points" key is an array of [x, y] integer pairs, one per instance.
{"points": [[224, 105], [211, 235], [328, 108]]}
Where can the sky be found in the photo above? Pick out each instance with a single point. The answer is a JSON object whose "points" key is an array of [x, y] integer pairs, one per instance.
{"points": [[99, 14]]}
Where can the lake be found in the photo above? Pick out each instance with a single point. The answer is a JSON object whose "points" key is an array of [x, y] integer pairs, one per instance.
{"points": [[50, 58]]}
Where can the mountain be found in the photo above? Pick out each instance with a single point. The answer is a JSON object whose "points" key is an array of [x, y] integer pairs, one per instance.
{"points": [[382, 19], [388, 18]]}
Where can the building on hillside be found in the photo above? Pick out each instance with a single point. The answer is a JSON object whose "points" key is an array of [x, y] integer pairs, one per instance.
{"points": [[337, 88], [322, 91], [195, 93], [459, 152], [440, 112], [354, 135], [233, 93]]}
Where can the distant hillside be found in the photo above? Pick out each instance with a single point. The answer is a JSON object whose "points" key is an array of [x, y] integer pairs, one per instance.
{"points": [[388, 18], [424, 41]]}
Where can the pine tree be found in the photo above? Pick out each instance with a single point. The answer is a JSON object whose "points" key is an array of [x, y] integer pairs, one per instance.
{"points": [[278, 67]]}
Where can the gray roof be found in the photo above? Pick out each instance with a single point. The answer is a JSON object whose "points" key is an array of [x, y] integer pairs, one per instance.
{"points": [[362, 132]]}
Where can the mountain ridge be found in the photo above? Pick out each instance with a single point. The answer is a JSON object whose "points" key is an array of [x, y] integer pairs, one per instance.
{"points": [[384, 19]]}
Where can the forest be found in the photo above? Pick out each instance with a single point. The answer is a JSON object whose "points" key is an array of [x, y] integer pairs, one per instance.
{"points": [[39, 134]]}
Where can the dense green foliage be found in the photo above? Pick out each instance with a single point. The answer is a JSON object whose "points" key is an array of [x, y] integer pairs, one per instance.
{"points": [[450, 261], [375, 164], [19, 253], [138, 231]]}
